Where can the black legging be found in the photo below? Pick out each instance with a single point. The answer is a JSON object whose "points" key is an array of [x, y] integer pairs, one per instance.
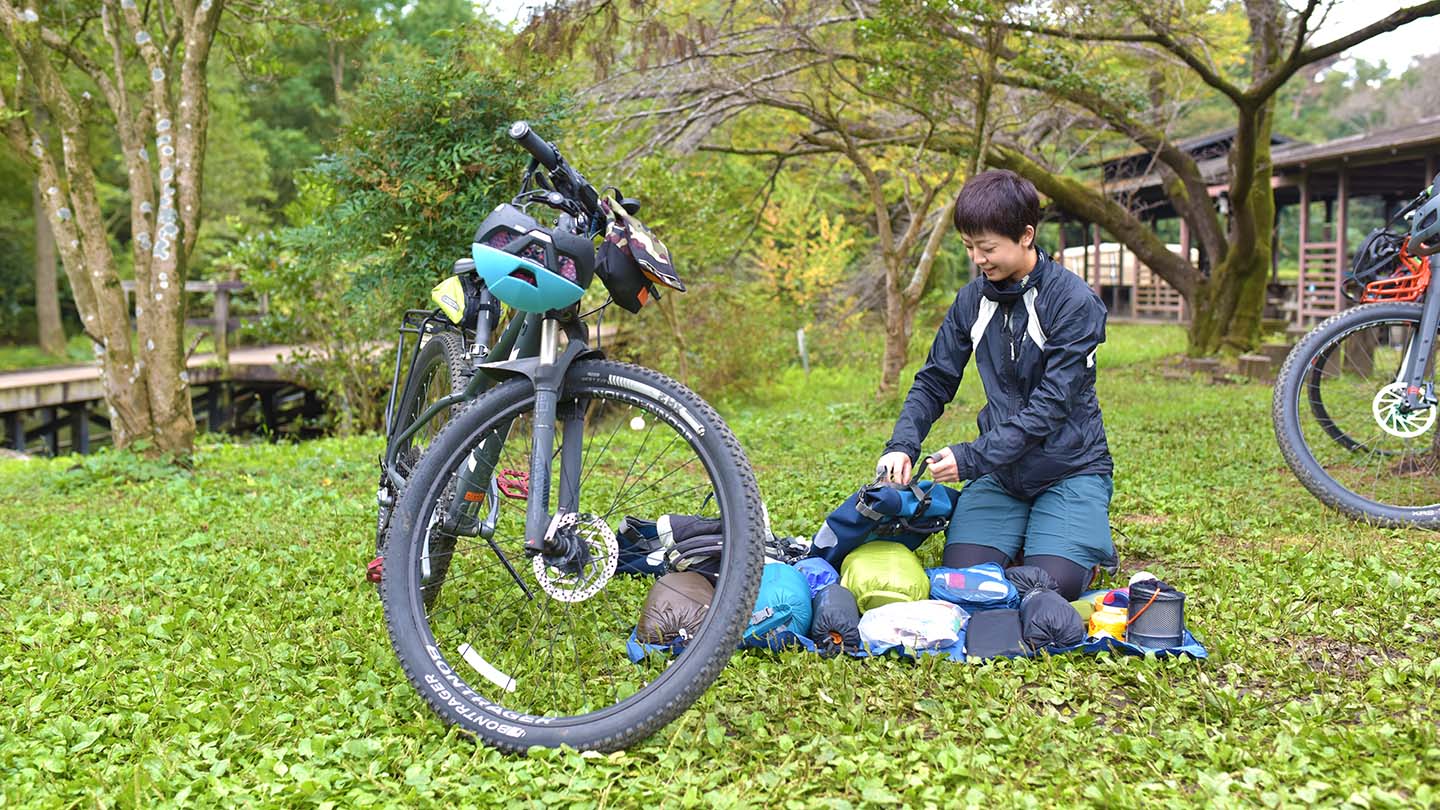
{"points": [[1072, 576]]}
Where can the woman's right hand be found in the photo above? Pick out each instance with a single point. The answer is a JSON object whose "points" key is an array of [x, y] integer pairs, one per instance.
{"points": [[894, 467]]}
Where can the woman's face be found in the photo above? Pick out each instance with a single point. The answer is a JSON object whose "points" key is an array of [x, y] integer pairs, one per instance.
{"points": [[999, 257]]}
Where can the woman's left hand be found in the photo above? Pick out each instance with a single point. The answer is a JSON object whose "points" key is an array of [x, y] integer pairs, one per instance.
{"points": [[943, 468]]}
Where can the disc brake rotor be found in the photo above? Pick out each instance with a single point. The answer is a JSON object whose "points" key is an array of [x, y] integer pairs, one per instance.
{"points": [[1386, 407], [604, 552]]}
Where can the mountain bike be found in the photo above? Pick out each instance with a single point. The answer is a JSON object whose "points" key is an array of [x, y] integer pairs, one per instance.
{"points": [[1355, 405], [498, 567]]}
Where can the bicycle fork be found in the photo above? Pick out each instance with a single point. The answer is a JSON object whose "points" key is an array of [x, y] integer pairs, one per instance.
{"points": [[549, 377], [1418, 390], [477, 477]]}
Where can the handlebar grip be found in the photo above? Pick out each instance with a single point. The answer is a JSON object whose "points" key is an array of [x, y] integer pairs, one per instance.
{"points": [[543, 151]]}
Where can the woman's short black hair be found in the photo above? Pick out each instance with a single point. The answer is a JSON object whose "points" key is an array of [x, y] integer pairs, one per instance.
{"points": [[999, 201]]}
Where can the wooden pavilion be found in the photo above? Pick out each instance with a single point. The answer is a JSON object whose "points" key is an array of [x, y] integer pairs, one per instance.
{"points": [[1324, 180]]}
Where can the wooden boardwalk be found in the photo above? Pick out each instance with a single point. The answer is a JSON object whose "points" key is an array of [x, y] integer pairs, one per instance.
{"points": [[58, 386], [52, 410]]}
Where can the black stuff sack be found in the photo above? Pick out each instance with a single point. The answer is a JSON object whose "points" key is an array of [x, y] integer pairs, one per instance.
{"points": [[674, 608], [995, 632], [640, 549], [1047, 621], [1027, 578], [835, 622]]}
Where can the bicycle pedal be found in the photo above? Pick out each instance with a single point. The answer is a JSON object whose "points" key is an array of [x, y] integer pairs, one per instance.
{"points": [[514, 484], [375, 570]]}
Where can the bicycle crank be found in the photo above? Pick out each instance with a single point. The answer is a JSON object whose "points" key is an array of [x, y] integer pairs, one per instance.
{"points": [[580, 558]]}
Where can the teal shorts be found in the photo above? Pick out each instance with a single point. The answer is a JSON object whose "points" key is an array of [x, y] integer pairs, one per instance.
{"points": [[1070, 520]]}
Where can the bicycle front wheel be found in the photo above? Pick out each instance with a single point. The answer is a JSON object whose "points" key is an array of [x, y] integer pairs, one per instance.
{"points": [[524, 651], [1338, 420]]}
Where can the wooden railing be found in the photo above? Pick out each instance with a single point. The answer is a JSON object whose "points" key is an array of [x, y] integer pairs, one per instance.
{"points": [[220, 323]]}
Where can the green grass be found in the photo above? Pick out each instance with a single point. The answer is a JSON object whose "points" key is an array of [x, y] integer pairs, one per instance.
{"points": [[78, 349], [205, 638]]}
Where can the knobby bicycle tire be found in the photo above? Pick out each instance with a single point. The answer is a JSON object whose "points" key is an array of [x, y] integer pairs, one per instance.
{"points": [[442, 347]]}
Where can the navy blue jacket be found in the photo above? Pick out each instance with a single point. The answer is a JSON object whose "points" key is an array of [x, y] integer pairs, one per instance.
{"points": [[1034, 343]]}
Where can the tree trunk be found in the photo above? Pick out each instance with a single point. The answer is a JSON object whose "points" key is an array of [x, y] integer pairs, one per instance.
{"points": [[50, 332], [147, 390], [1234, 298], [899, 321], [337, 69]]}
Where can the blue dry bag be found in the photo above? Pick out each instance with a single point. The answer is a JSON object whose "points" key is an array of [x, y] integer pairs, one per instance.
{"points": [[902, 513], [818, 573], [782, 609]]}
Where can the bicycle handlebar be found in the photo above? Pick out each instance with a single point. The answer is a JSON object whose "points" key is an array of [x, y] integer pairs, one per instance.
{"points": [[570, 182], [541, 149], [1419, 200]]}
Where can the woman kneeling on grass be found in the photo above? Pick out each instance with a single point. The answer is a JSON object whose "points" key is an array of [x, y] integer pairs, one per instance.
{"points": [[1040, 471]]}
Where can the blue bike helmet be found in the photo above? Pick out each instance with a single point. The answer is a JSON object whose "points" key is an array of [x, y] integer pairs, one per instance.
{"points": [[530, 267]]}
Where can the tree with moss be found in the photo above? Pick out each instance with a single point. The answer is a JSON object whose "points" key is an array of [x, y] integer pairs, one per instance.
{"points": [[1115, 64]]}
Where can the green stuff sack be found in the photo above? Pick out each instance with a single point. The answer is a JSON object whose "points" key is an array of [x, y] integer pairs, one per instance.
{"points": [[880, 572]]}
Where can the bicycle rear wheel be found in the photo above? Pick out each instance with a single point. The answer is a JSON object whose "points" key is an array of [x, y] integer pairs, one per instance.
{"points": [[525, 651], [440, 370], [1339, 426]]}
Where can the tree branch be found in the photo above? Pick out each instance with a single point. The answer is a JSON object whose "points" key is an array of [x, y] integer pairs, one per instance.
{"points": [[1310, 55], [1096, 207], [1206, 73]]}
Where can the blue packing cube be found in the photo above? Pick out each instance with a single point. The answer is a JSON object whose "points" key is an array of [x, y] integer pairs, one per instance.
{"points": [[977, 588]]}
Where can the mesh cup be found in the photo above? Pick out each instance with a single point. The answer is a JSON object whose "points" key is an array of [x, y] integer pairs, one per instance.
{"points": [[1162, 624]]}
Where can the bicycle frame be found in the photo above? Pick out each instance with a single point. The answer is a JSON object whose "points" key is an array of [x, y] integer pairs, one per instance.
{"points": [[531, 344]]}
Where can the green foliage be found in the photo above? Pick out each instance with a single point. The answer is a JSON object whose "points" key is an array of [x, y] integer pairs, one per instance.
{"points": [[423, 160], [17, 251], [206, 639], [335, 328], [239, 189]]}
